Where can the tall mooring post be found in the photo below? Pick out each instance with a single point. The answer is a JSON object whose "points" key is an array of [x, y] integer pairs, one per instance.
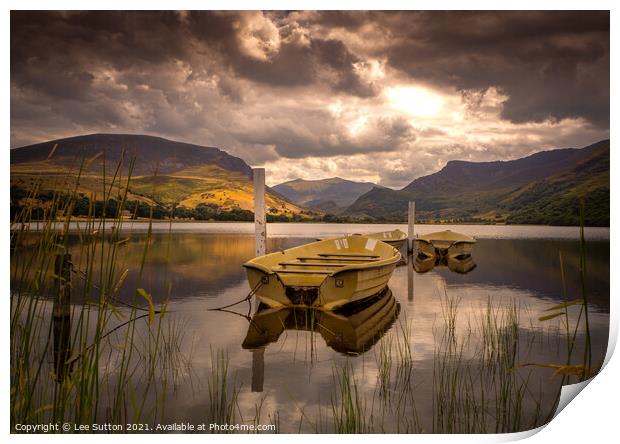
{"points": [[410, 281], [410, 249], [260, 224], [62, 299], [411, 228]]}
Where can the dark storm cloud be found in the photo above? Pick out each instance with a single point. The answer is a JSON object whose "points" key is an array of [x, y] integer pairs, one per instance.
{"points": [[550, 64], [296, 63], [335, 56], [294, 85], [55, 56], [318, 134], [121, 38], [59, 44]]}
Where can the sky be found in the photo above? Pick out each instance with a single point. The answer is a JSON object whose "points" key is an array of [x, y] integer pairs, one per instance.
{"points": [[373, 96]]}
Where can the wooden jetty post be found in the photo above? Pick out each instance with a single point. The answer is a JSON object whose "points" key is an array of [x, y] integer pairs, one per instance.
{"points": [[410, 249], [62, 299], [260, 227], [260, 224], [410, 281], [61, 316], [411, 228]]}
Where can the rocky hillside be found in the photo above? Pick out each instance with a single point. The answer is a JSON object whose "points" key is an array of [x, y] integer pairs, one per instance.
{"points": [[544, 188], [164, 173]]}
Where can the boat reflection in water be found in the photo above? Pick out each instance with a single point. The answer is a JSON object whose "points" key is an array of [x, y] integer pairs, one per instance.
{"points": [[351, 329], [462, 264]]}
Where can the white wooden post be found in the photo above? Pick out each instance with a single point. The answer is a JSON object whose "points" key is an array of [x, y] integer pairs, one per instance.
{"points": [[411, 227], [260, 224]]}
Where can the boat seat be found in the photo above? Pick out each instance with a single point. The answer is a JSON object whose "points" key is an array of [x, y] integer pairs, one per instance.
{"points": [[284, 270], [347, 255], [343, 259], [305, 264]]}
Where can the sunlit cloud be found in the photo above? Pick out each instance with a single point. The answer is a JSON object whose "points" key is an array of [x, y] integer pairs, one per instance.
{"points": [[381, 97], [415, 101]]}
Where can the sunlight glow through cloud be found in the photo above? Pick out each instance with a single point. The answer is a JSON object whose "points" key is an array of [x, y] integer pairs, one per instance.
{"points": [[414, 100], [378, 96]]}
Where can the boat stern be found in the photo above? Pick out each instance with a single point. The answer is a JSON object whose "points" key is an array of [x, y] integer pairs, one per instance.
{"points": [[266, 286]]}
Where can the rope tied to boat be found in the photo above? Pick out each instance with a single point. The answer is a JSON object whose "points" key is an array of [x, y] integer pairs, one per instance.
{"points": [[247, 298]]}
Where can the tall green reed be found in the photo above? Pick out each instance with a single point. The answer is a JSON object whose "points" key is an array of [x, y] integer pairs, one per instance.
{"points": [[112, 374], [477, 388], [222, 398], [348, 404]]}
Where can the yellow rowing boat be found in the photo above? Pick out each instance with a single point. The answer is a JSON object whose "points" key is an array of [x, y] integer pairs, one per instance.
{"points": [[326, 274], [395, 238], [445, 243], [352, 331]]}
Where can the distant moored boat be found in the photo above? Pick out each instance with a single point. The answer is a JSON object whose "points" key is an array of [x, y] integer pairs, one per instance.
{"points": [[445, 243], [395, 238]]}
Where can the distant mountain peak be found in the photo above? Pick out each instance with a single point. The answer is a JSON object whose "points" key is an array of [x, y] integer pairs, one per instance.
{"points": [[153, 152], [166, 172], [544, 187], [335, 179], [331, 194]]}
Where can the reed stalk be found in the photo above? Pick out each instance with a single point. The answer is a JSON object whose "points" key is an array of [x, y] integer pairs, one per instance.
{"points": [[348, 405], [112, 374], [222, 398]]}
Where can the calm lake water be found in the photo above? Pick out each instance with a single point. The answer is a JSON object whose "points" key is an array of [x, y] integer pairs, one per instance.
{"points": [[293, 368]]}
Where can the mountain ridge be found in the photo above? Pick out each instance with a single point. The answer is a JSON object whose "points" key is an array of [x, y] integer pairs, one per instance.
{"points": [[535, 164], [164, 172], [542, 188], [134, 145], [490, 191], [333, 194]]}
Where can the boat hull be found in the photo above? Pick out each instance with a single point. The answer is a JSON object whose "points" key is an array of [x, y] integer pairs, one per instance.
{"points": [[394, 238], [425, 248], [334, 291], [325, 274], [355, 286], [445, 244], [398, 243]]}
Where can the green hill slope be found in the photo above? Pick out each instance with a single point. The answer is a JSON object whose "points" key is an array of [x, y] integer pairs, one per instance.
{"points": [[544, 188], [166, 174]]}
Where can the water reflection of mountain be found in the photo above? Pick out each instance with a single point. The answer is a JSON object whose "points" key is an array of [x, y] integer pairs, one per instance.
{"points": [[352, 329], [534, 265], [206, 265], [183, 265]]}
